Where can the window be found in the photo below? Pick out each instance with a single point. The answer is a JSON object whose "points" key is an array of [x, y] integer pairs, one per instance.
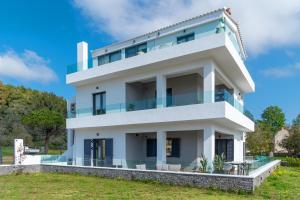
{"points": [[72, 137], [173, 147], [169, 97], [151, 147], [73, 110], [99, 103], [115, 56], [111, 57], [225, 147], [135, 50], [185, 38]]}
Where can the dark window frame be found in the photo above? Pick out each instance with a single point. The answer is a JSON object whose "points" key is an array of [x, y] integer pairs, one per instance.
{"points": [[175, 153], [185, 38], [169, 97], [108, 57], [102, 109], [226, 143], [151, 147], [134, 50]]}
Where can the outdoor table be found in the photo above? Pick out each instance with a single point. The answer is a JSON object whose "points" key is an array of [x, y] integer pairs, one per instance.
{"points": [[240, 169]]}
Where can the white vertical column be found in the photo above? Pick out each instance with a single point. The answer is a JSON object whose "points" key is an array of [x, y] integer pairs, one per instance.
{"points": [[238, 102], [199, 147], [161, 147], [161, 91], [119, 149], [209, 144], [209, 83], [238, 147], [18, 151], [69, 143], [82, 56]]}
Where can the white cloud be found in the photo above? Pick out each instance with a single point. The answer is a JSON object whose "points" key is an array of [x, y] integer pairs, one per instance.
{"points": [[264, 23], [28, 66], [282, 72]]}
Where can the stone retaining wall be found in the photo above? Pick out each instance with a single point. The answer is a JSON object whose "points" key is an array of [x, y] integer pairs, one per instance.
{"points": [[223, 182], [12, 169]]}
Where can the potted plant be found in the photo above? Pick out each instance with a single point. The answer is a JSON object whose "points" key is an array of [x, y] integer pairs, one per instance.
{"points": [[131, 107], [100, 111], [219, 164], [204, 163]]}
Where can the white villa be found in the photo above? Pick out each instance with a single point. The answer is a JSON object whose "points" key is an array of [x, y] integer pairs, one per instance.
{"points": [[165, 97]]}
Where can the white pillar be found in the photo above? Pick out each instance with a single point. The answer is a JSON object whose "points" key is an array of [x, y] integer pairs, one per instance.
{"points": [[161, 147], [209, 144], [238, 147], [209, 83], [18, 151], [119, 155], [199, 137], [70, 138], [82, 56], [161, 91]]}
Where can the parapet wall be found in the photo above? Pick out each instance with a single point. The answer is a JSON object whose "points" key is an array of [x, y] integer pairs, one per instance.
{"points": [[218, 181]]}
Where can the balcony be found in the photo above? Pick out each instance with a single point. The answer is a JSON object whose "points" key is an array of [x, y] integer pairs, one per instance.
{"points": [[200, 32], [154, 103]]}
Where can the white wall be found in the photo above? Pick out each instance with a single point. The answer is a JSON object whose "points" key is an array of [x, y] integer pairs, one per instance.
{"points": [[132, 147], [119, 151]]}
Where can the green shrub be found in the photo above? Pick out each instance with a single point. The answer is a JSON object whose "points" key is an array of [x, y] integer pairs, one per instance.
{"points": [[292, 162]]}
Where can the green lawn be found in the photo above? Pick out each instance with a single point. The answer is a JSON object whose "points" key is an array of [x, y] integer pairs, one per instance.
{"points": [[283, 184], [7, 151]]}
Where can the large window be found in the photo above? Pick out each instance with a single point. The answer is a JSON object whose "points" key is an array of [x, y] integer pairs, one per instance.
{"points": [[225, 147], [151, 147], [111, 57], [169, 97], [135, 50], [185, 38], [99, 103], [173, 147]]}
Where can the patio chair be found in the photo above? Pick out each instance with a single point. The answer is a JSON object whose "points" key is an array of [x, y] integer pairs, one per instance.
{"points": [[141, 167], [162, 167], [228, 168], [175, 168]]}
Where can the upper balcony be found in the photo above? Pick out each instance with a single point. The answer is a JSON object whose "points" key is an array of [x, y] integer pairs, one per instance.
{"points": [[213, 36], [224, 112]]}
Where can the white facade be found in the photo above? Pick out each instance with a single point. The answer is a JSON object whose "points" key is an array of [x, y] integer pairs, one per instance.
{"points": [[179, 97]]}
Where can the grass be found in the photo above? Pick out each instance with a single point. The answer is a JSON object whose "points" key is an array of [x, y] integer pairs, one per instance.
{"points": [[283, 184], [7, 151]]}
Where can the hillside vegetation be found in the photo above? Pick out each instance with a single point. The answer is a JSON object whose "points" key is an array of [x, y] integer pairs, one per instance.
{"points": [[17, 102]]}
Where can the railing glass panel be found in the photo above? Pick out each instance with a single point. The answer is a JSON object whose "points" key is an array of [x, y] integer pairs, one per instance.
{"points": [[211, 28], [169, 101]]}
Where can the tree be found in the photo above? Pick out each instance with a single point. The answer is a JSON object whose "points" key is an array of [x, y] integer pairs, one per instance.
{"points": [[15, 103], [292, 142], [50, 123], [259, 142], [296, 122], [274, 120], [249, 115]]}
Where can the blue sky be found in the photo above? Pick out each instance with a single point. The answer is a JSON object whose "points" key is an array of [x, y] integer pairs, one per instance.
{"points": [[38, 40]]}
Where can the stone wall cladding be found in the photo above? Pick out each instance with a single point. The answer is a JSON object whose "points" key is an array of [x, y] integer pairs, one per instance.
{"points": [[12, 169], [223, 182], [257, 180]]}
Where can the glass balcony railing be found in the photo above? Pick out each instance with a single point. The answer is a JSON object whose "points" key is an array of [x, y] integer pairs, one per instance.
{"points": [[204, 30], [153, 103], [76, 67]]}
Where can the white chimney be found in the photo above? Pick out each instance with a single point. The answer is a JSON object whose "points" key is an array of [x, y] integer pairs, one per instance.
{"points": [[82, 56]]}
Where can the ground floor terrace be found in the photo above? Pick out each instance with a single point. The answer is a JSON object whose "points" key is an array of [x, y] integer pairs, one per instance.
{"points": [[171, 148]]}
